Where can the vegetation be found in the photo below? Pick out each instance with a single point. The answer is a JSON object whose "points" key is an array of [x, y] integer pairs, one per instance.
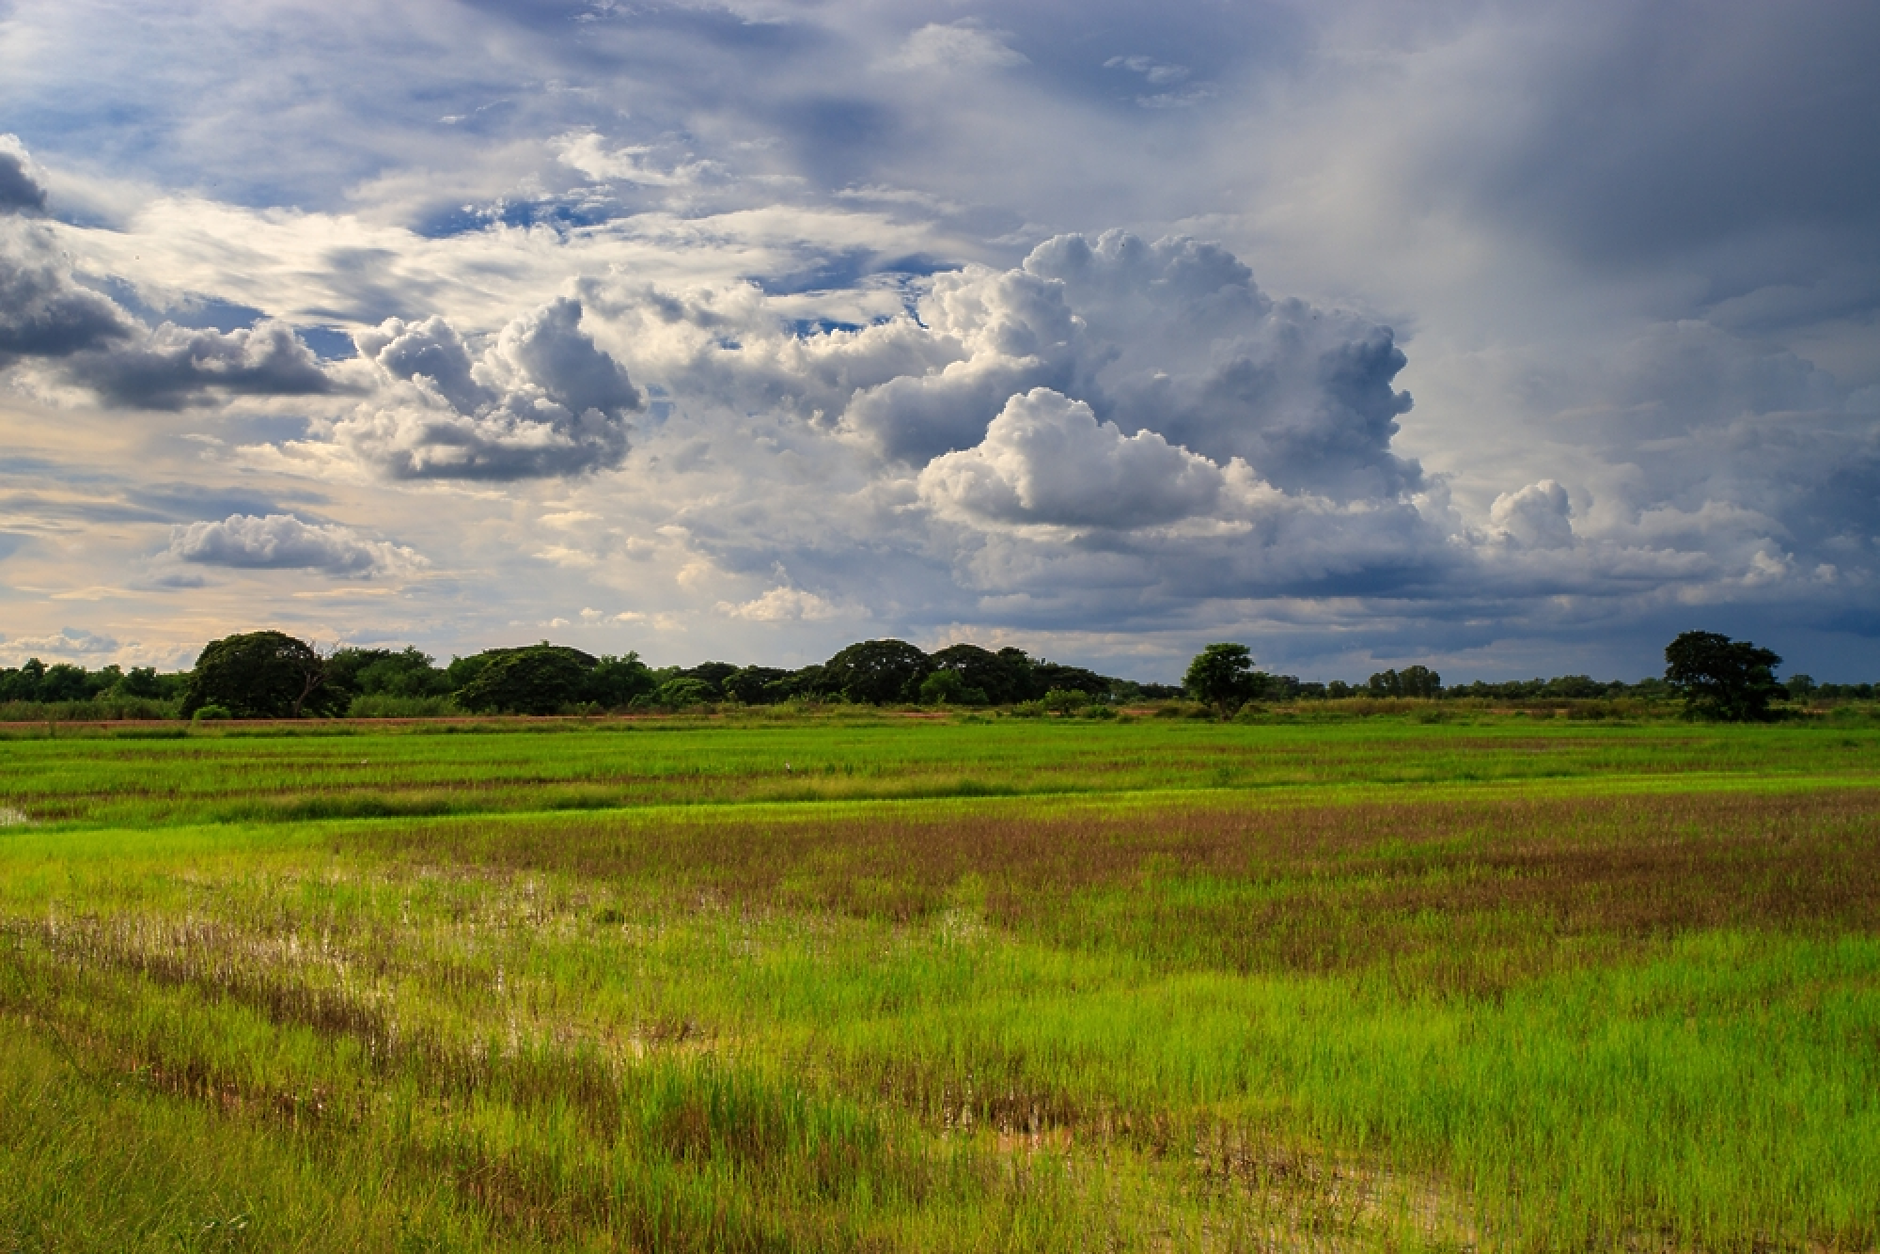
{"points": [[850, 980], [1720, 678], [1713, 677]]}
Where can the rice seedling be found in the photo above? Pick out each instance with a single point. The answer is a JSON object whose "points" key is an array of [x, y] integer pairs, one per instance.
{"points": [[1041, 986]]}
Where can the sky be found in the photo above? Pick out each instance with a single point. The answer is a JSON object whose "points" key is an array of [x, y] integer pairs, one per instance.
{"points": [[1510, 339]]}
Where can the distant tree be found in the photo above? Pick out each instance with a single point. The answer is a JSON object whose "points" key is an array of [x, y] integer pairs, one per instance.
{"points": [[141, 681], [945, 687], [1222, 675], [1004, 677], [1732, 681], [614, 682], [1420, 681], [878, 672], [261, 674], [682, 692], [712, 675], [538, 679], [1049, 676], [1801, 687], [757, 685]]}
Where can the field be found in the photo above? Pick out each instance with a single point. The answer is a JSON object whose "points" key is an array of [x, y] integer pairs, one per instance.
{"points": [[888, 983]]}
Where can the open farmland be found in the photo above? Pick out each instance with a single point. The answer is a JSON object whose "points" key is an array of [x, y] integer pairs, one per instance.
{"points": [[879, 983]]}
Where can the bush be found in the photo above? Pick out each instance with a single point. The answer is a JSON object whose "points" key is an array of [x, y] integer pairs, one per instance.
{"points": [[386, 705], [211, 714]]}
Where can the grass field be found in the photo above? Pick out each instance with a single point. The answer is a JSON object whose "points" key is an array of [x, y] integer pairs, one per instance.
{"points": [[878, 983]]}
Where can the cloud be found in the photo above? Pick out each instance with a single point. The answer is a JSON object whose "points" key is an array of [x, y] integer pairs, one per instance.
{"points": [[1173, 337], [173, 367], [1046, 460], [69, 642], [1538, 516], [541, 401], [44, 313], [20, 188], [962, 45], [284, 542], [784, 604]]}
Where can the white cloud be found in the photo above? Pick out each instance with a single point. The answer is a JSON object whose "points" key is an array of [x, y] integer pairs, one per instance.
{"points": [[67, 642], [962, 45], [1538, 515], [1046, 460], [541, 401], [284, 542], [783, 604]]}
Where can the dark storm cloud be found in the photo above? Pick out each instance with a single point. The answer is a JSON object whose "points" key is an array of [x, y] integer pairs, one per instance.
{"points": [[1663, 130], [43, 312], [20, 192], [175, 367]]}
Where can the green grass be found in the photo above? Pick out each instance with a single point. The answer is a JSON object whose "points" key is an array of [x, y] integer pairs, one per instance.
{"points": [[944, 986]]}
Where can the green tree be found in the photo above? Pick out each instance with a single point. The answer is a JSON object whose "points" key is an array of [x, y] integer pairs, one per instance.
{"points": [[945, 687], [757, 685], [261, 674], [614, 682], [1005, 676], [1732, 681], [682, 692], [538, 679], [1222, 675], [878, 672]]}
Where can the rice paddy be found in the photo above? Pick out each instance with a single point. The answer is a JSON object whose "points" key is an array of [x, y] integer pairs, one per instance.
{"points": [[880, 983]]}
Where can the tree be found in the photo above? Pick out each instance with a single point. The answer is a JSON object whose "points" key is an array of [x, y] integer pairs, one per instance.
{"points": [[878, 671], [539, 679], [261, 674], [1223, 676], [758, 685], [1732, 681], [614, 682], [1412, 681], [1004, 677], [945, 687]]}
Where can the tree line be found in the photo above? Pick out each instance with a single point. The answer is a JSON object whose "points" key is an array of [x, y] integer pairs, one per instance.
{"points": [[270, 674]]}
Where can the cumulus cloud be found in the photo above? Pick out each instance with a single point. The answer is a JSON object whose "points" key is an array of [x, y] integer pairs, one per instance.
{"points": [[1047, 460], [46, 313], [172, 367], [72, 642], [1173, 337], [284, 542], [780, 605], [1537, 516], [541, 400]]}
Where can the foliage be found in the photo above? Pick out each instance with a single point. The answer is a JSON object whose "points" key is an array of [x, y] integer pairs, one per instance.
{"points": [[682, 692], [757, 685], [614, 683], [1004, 677], [1731, 681], [539, 679], [1222, 675], [877, 672], [1412, 681], [945, 687], [262, 674], [403, 672]]}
